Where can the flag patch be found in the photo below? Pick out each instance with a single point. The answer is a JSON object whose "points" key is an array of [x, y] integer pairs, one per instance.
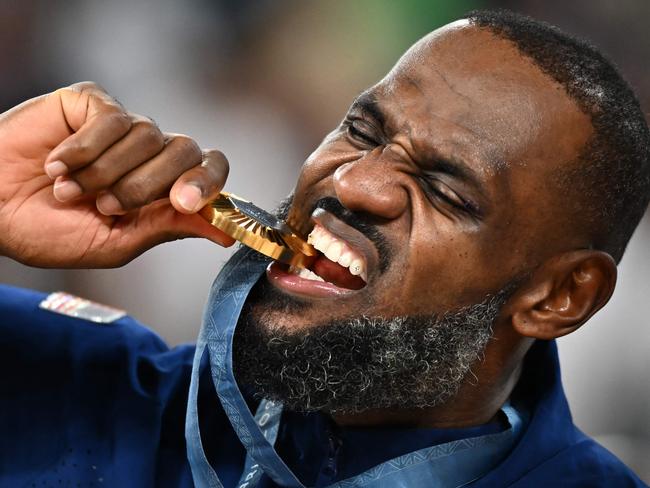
{"points": [[74, 306]]}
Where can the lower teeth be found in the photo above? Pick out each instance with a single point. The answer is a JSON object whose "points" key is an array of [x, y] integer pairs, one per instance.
{"points": [[305, 274]]}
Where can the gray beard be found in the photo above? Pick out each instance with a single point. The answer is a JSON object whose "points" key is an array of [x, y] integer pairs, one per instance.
{"points": [[361, 363]]}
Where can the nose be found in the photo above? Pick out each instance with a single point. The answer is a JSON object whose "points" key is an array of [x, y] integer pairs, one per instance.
{"points": [[372, 185]]}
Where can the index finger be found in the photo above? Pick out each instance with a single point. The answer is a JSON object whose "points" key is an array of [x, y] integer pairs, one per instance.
{"points": [[98, 120]]}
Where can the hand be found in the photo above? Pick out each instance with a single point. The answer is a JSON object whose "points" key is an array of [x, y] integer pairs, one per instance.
{"points": [[83, 183]]}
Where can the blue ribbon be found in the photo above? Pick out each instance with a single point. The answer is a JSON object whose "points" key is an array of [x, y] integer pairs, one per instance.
{"points": [[452, 464]]}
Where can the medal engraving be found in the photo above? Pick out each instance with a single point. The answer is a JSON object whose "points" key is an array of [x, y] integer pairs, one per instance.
{"points": [[260, 215], [258, 229]]}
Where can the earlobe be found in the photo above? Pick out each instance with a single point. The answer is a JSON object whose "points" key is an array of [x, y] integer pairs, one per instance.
{"points": [[563, 294]]}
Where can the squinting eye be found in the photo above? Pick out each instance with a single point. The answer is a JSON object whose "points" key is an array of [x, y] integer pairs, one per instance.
{"points": [[447, 194], [359, 131]]}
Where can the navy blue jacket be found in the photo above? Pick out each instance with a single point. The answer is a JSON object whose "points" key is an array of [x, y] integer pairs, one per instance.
{"points": [[84, 404]]}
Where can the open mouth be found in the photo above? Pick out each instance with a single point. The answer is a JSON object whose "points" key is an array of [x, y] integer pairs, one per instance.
{"points": [[337, 263]]}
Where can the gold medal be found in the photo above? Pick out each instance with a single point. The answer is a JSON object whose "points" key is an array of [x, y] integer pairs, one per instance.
{"points": [[258, 229]]}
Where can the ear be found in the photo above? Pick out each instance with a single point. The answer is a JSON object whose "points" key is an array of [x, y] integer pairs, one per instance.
{"points": [[563, 294]]}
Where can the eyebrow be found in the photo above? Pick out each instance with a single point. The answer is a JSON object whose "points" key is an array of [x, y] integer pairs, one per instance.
{"points": [[367, 103], [458, 168]]}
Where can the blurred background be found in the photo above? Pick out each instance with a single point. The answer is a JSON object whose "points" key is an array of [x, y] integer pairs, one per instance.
{"points": [[264, 81]]}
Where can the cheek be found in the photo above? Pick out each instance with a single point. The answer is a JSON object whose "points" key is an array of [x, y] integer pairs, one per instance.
{"points": [[310, 174], [439, 271], [316, 172]]}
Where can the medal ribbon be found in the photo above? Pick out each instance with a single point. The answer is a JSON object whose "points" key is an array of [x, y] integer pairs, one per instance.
{"points": [[453, 464]]}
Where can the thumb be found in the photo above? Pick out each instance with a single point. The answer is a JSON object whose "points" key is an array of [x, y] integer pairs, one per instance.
{"points": [[196, 226], [159, 222]]}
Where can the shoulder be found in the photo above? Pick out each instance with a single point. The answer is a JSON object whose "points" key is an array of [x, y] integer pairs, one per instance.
{"points": [[79, 335], [37, 317], [583, 464], [78, 393], [599, 465]]}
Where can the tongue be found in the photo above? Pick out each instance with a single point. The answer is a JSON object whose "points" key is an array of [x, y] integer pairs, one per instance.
{"points": [[336, 274]]}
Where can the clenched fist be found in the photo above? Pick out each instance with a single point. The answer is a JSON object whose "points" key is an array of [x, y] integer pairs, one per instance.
{"points": [[84, 183]]}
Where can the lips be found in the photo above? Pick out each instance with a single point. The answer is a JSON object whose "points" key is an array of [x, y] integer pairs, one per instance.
{"points": [[346, 260], [338, 263]]}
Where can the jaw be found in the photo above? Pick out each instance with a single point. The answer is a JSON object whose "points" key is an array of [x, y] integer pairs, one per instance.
{"points": [[427, 366]]}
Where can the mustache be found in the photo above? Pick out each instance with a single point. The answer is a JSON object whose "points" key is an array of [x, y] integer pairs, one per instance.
{"points": [[364, 223], [282, 210]]}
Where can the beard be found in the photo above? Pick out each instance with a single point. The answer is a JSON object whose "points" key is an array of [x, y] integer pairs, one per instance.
{"points": [[359, 363]]}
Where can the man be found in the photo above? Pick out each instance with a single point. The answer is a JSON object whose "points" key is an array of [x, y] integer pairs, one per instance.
{"points": [[470, 208]]}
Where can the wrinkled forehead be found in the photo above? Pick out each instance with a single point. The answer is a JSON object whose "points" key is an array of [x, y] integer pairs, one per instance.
{"points": [[463, 82]]}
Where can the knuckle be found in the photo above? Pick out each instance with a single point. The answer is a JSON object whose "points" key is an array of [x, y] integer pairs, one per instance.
{"points": [[155, 139], [82, 150], [120, 120], [84, 86], [93, 85], [186, 146], [144, 119], [149, 135], [153, 123]]}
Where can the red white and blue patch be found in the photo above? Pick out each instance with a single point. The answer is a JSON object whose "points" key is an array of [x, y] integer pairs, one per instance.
{"points": [[80, 308]]}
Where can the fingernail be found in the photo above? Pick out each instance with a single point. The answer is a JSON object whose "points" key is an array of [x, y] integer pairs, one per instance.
{"points": [[65, 190], [108, 204], [189, 197], [55, 168]]}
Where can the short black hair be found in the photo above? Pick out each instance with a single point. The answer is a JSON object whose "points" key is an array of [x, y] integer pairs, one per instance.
{"points": [[610, 189]]}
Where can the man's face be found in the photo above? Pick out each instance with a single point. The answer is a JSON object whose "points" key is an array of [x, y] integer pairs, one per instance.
{"points": [[440, 184], [449, 161]]}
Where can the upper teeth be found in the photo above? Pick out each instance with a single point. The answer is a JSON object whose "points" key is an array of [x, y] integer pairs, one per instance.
{"points": [[338, 251]]}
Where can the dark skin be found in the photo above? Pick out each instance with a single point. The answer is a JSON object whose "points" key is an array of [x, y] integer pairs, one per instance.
{"points": [[452, 154], [460, 238]]}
